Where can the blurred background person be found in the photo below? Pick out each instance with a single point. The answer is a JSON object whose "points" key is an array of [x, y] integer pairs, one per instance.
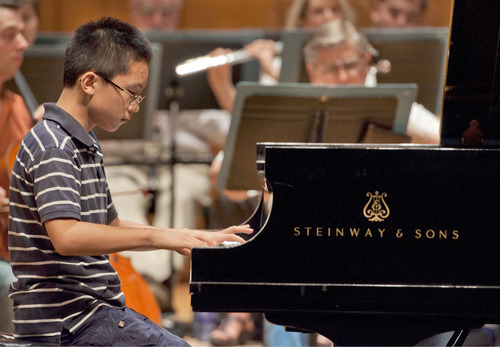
{"points": [[15, 122], [398, 13], [148, 15], [234, 206], [30, 13], [30, 10], [304, 14], [309, 14], [337, 53]]}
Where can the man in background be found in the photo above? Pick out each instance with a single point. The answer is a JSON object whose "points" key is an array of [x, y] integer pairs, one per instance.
{"points": [[337, 53], [15, 122], [29, 12], [397, 13], [150, 15]]}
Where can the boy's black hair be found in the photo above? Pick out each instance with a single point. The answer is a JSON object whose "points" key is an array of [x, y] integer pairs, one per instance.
{"points": [[107, 46]]}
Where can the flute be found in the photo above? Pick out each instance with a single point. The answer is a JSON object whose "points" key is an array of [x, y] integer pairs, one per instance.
{"points": [[205, 62]]}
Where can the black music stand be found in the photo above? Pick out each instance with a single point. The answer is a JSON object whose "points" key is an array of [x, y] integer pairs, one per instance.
{"points": [[296, 112]]}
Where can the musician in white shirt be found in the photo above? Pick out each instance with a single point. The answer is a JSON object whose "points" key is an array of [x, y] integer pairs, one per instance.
{"points": [[337, 53]]}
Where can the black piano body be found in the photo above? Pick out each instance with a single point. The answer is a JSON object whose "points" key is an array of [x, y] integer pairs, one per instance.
{"points": [[374, 245]]}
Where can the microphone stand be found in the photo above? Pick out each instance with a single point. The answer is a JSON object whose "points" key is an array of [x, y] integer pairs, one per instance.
{"points": [[172, 93]]}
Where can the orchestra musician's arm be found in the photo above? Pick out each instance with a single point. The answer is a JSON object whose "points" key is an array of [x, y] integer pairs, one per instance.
{"points": [[73, 237], [3, 196], [221, 83], [265, 52], [220, 77]]}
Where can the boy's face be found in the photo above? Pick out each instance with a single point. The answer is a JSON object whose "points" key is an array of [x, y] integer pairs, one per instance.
{"points": [[110, 107], [339, 64], [12, 43]]}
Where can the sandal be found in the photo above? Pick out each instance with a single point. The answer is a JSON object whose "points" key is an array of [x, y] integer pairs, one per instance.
{"points": [[233, 330]]}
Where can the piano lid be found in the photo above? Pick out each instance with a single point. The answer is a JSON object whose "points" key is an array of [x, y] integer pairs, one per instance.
{"points": [[392, 215], [473, 81]]}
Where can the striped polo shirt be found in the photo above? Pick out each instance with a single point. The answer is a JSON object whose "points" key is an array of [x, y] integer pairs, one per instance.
{"points": [[58, 174]]}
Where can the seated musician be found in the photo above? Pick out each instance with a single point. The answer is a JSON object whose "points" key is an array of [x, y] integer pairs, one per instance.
{"points": [[306, 14], [15, 122], [337, 53], [155, 15], [397, 13]]}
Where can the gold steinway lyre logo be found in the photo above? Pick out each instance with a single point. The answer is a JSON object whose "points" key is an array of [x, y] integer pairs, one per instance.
{"points": [[376, 210]]}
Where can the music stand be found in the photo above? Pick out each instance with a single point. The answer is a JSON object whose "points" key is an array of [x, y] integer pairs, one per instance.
{"points": [[417, 55], [296, 112]]}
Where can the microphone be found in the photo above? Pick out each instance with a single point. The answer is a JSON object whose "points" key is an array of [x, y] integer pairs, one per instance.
{"points": [[383, 66]]}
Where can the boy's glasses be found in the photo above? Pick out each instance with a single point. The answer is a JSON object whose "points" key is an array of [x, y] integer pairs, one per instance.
{"points": [[136, 99]]}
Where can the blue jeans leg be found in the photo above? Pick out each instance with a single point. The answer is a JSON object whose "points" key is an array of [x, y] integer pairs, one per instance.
{"points": [[113, 327]]}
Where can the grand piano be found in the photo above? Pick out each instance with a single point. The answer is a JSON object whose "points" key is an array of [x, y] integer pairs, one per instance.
{"points": [[378, 244]]}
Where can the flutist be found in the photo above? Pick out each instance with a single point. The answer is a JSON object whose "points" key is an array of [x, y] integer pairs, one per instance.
{"points": [[306, 14]]}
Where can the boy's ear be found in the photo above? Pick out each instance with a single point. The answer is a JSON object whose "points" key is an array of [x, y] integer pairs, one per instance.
{"points": [[87, 81]]}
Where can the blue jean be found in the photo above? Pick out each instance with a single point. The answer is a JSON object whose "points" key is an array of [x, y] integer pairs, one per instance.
{"points": [[276, 335], [113, 327], [6, 277], [6, 312]]}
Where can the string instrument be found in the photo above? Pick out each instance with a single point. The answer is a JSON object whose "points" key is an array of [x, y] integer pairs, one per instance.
{"points": [[28, 96], [8, 158], [137, 293], [7, 163]]}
